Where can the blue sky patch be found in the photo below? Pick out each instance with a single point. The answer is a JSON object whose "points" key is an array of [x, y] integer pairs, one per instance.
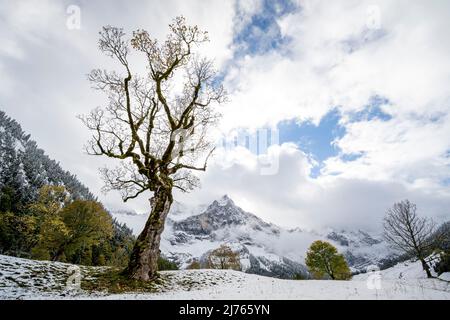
{"points": [[366, 37], [315, 140], [446, 182], [262, 34], [351, 157], [372, 111]]}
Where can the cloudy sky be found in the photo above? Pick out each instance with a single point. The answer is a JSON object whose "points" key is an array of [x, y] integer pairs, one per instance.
{"points": [[355, 95]]}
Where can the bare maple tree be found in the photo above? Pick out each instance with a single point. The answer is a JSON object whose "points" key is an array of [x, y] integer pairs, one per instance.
{"points": [[158, 132], [409, 233]]}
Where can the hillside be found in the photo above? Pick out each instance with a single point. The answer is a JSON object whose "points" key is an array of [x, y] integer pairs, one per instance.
{"points": [[24, 168], [28, 279]]}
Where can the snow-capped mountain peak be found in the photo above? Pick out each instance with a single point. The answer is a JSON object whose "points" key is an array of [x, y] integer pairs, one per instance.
{"points": [[264, 248], [224, 201], [220, 215]]}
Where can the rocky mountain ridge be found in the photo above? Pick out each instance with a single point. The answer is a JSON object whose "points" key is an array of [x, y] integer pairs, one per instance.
{"points": [[264, 248]]}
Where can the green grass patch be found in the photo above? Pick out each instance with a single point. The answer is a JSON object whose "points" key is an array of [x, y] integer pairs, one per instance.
{"points": [[114, 281]]}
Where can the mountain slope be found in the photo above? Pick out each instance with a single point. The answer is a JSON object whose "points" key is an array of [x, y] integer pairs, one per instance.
{"points": [[24, 168], [264, 248]]}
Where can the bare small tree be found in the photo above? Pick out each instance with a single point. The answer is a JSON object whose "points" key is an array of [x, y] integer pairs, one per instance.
{"points": [[159, 133], [409, 233]]}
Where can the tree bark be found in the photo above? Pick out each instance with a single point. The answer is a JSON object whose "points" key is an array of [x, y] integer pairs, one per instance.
{"points": [[426, 267], [143, 264]]}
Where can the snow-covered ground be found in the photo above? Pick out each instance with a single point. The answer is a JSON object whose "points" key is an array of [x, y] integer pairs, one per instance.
{"points": [[406, 270], [28, 279]]}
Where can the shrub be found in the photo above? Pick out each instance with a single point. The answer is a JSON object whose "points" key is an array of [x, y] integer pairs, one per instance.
{"points": [[165, 264]]}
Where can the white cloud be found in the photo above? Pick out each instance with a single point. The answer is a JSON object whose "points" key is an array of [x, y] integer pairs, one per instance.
{"points": [[401, 149], [329, 58], [332, 59], [405, 61], [291, 198]]}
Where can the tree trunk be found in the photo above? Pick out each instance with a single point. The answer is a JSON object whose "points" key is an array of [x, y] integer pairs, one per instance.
{"points": [[143, 263], [426, 267]]}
